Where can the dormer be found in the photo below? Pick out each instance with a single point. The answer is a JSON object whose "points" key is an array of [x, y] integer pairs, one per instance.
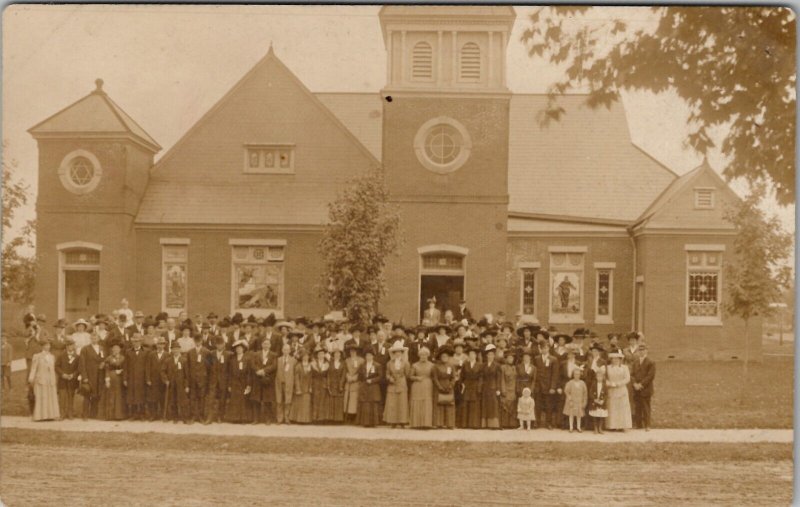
{"points": [[446, 49]]}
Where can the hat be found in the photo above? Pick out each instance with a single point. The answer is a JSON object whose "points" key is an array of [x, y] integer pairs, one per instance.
{"points": [[533, 328], [379, 319], [41, 318], [161, 316], [444, 350], [294, 333], [237, 318], [270, 320], [633, 336], [80, 322], [435, 328], [319, 348], [138, 314], [136, 337], [572, 348], [567, 338], [490, 347], [175, 347], [69, 341], [372, 329], [148, 322], [241, 342], [60, 323], [597, 346], [351, 346], [186, 326], [527, 351], [225, 322], [284, 323], [397, 346], [461, 323], [642, 346], [205, 325], [459, 342], [491, 331], [618, 355], [399, 326], [101, 318], [212, 315], [160, 340]]}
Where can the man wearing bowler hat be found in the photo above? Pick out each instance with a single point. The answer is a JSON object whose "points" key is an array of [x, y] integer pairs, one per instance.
{"points": [[642, 376]]}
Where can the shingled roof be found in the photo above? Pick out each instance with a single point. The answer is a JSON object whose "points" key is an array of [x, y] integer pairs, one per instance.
{"points": [[95, 115]]}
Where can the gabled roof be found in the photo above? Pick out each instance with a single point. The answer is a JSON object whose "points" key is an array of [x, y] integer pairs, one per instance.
{"points": [[361, 113], [94, 115]]}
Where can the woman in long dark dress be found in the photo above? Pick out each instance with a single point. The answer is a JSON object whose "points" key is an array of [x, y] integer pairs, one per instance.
{"points": [[336, 381], [471, 376], [508, 395], [444, 379], [115, 374], [301, 401], [491, 389], [320, 398], [369, 395], [237, 408]]}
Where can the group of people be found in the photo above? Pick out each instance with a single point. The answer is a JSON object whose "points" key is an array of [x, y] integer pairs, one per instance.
{"points": [[489, 373]]}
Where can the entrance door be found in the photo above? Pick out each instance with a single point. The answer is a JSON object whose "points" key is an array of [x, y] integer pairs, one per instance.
{"points": [[81, 294], [447, 289]]}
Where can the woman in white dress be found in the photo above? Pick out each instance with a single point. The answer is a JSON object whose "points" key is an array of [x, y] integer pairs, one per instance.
{"points": [[619, 407], [42, 378]]}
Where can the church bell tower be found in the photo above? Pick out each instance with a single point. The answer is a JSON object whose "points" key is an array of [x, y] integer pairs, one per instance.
{"points": [[445, 153]]}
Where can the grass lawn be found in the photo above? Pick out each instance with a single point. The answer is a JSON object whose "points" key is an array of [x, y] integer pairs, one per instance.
{"points": [[701, 394], [211, 470]]}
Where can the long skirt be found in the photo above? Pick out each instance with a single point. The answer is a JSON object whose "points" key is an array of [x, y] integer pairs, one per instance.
{"points": [[421, 406], [619, 410], [396, 409], [301, 408], [472, 413], [237, 410], [320, 405], [46, 404], [115, 403], [444, 416], [369, 413], [336, 408], [508, 413], [490, 410], [351, 397]]}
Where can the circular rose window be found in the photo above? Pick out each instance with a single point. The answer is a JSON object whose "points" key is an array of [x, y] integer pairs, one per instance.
{"points": [[442, 145], [80, 172]]}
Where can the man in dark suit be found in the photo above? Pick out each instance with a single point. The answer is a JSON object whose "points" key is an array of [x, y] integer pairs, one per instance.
{"points": [[92, 367], [462, 312], [357, 340], [642, 376], [156, 362], [137, 326], [547, 388], [171, 333], [197, 360], [135, 381], [263, 366], [118, 333], [67, 372], [217, 381], [213, 327]]}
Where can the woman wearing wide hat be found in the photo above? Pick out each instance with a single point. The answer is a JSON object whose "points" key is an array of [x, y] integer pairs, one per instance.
{"points": [[352, 382], [398, 372], [237, 409], [421, 403], [369, 396], [115, 375], [444, 381], [301, 400], [320, 397], [491, 389], [471, 373], [508, 393], [619, 408], [336, 386]]}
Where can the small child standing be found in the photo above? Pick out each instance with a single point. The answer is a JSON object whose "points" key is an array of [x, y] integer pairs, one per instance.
{"points": [[575, 401], [525, 409], [598, 393]]}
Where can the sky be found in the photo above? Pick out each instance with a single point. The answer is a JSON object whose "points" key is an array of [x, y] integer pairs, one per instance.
{"points": [[167, 65]]}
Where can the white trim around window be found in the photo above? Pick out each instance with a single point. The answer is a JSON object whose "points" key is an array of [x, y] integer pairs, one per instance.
{"points": [[258, 276], [703, 276], [174, 275]]}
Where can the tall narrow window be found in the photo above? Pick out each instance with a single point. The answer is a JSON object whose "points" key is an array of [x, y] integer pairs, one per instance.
{"points": [[257, 273], [566, 284], [604, 303], [703, 285], [528, 291], [470, 62], [422, 61], [174, 275]]}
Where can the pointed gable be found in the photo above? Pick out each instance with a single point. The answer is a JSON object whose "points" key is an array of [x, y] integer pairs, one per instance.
{"points": [[202, 179], [696, 200], [94, 115]]}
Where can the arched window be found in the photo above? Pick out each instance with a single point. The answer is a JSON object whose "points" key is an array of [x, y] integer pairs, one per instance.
{"points": [[422, 61], [470, 62]]}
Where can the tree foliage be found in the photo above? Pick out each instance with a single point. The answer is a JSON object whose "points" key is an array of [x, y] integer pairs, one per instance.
{"points": [[19, 270], [733, 66], [757, 275], [363, 230]]}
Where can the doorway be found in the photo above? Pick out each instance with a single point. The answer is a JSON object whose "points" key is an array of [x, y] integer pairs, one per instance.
{"points": [[81, 294], [447, 289]]}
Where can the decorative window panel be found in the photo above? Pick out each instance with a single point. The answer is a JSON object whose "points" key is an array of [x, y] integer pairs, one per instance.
{"points": [[82, 257], [258, 279], [528, 292], [566, 287], [269, 159], [174, 278], [604, 301], [703, 302]]}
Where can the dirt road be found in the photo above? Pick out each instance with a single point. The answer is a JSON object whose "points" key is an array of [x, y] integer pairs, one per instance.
{"points": [[44, 474]]}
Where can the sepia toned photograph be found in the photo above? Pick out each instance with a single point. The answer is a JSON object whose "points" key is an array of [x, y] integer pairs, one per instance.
{"points": [[398, 255]]}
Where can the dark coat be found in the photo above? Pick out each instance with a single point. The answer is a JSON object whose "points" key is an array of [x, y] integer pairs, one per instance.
{"points": [[218, 373], [198, 369], [63, 367], [370, 389], [643, 373], [135, 366], [472, 378], [525, 379], [262, 386], [92, 367], [153, 370], [596, 402], [547, 375]]}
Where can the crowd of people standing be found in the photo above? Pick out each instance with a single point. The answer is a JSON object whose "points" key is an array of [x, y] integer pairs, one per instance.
{"points": [[489, 373]]}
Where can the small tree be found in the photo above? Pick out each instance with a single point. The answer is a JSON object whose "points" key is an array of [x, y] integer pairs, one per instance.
{"points": [[363, 230], [19, 270], [757, 274]]}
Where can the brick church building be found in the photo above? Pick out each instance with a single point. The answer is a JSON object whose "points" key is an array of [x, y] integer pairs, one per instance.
{"points": [[568, 224]]}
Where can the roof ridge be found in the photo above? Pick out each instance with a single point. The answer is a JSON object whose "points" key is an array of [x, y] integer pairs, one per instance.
{"points": [[124, 117]]}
